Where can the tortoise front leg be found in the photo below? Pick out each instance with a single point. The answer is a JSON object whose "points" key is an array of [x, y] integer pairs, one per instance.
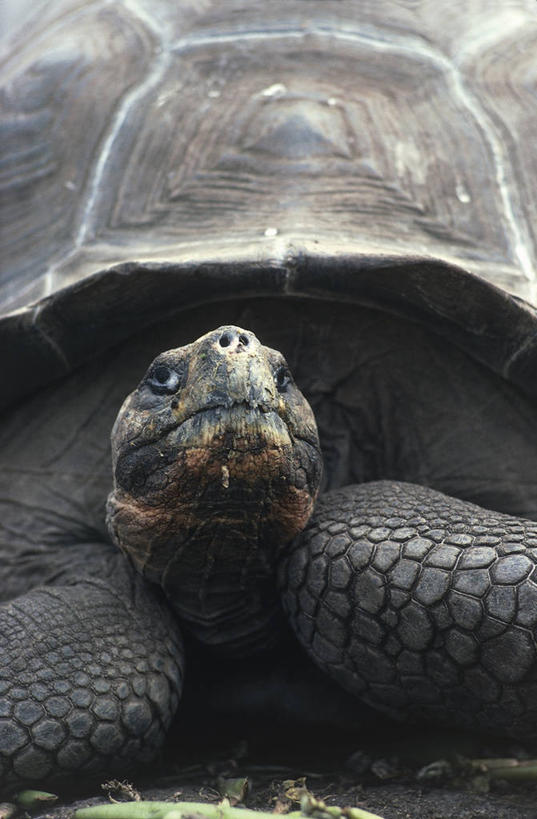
{"points": [[420, 604], [90, 678]]}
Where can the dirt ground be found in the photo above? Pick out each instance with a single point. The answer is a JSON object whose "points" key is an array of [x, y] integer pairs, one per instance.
{"points": [[399, 799], [407, 774]]}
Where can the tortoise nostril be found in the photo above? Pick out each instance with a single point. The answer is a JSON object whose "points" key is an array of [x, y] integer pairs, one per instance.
{"points": [[234, 340]]}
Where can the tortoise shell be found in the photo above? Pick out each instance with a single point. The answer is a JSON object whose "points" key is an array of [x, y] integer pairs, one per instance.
{"points": [[160, 155]]}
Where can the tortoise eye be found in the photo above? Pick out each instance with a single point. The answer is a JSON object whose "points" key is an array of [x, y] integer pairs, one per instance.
{"points": [[282, 377], [162, 374], [163, 380]]}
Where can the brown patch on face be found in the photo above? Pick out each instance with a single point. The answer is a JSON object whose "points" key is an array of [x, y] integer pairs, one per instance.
{"points": [[222, 484], [292, 511], [134, 526]]}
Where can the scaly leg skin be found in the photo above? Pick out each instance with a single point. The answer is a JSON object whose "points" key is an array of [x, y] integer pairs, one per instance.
{"points": [[422, 605], [90, 678]]}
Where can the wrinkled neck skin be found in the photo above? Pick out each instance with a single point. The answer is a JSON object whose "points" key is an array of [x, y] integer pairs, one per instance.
{"points": [[220, 574], [212, 479]]}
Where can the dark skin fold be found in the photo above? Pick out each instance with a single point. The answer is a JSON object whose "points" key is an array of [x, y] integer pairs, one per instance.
{"points": [[217, 466]]}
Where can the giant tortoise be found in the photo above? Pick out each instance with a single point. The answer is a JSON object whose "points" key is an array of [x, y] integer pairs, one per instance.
{"points": [[350, 184]]}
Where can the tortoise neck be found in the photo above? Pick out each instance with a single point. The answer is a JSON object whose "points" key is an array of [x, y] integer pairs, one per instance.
{"points": [[221, 583], [215, 559]]}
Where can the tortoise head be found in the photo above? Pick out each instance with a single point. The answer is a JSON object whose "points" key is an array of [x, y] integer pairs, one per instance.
{"points": [[216, 443]]}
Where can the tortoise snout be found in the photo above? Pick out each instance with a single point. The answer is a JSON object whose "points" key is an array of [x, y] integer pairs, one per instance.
{"points": [[229, 366], [232, 340]]}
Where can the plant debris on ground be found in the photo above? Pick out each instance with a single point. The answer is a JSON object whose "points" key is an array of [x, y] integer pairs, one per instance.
{"points": [[367, 787]]}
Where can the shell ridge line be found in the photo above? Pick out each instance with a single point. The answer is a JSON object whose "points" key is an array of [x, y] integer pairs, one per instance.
{"points": [[519, 247], [528, 343], [409, 45], [290, 260], [131, 96], [47, 338], [129, 99], [137, 11]]}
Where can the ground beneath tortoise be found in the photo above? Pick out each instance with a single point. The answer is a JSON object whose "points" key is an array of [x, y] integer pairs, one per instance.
{"points": [[394, 800], [406, 778]]}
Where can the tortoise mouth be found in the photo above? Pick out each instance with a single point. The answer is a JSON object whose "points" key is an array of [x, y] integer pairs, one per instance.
{"points": [[217, 444], [237, 426], [230, 444], [242, 418], [209, 420]]}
